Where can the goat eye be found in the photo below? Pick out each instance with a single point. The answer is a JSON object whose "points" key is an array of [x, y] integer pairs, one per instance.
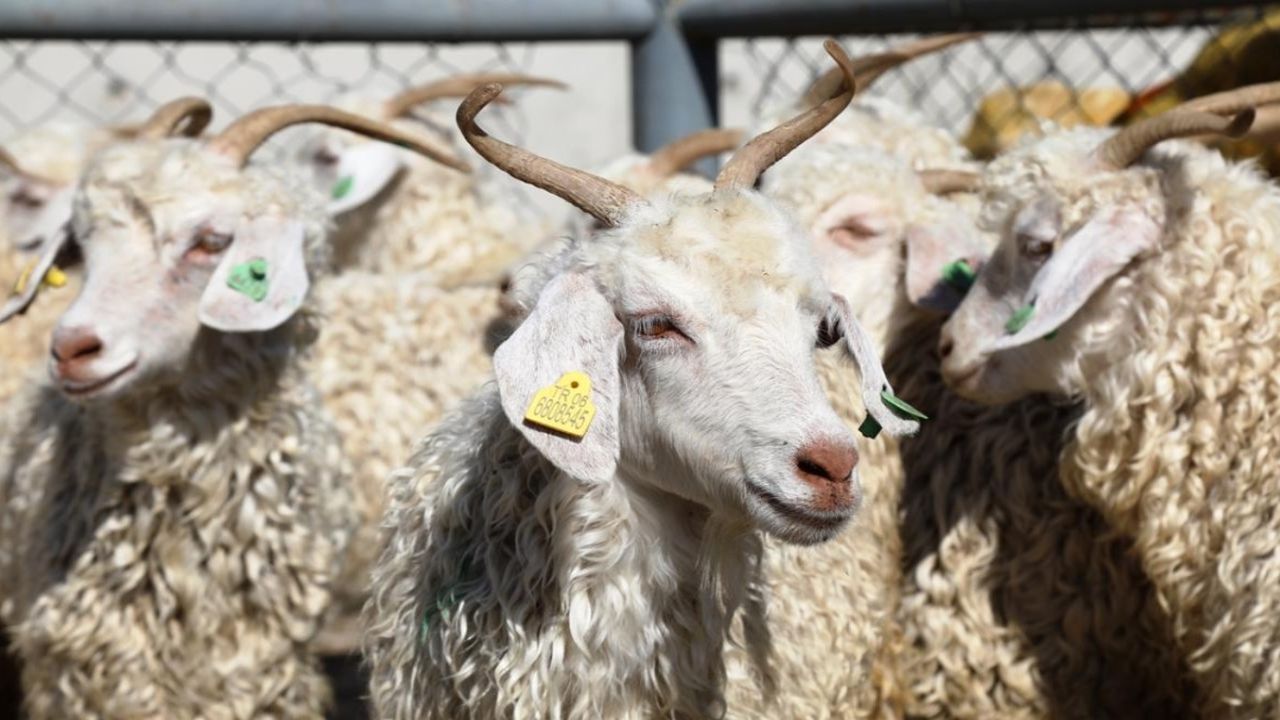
{"points": [[659, 327], [1036, 248], [211, 242], [25, 199], [325, 157], [828, 333]]}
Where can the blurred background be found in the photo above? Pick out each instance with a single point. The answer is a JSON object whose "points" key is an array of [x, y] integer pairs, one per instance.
{"points": [[641, 71]]}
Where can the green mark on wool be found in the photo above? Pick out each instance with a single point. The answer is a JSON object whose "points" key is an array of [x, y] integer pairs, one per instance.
{"points": [[871, 428], [446, 599], [250, 279], [342, 187], [959, 275], [1020, 318]]}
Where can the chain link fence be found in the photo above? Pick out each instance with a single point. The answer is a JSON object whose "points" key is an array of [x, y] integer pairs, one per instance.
{"points": [[115, 82], [998, 87], [1098, 69]]}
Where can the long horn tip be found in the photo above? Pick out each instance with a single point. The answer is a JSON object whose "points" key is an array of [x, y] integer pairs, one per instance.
{"points": [[838, 54], [476, 100]]}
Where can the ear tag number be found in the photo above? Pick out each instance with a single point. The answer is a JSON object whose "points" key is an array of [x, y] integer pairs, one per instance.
{"points": [[564, 407], [249, 278], [959, 275], [342, 187], [871, 428], [54, 278]]}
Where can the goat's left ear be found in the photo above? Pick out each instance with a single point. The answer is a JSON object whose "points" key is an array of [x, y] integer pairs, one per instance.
{"points": [[261, 281], [874, 382], [572, 329], [363, 171], [943, 259], [1080, 265]]}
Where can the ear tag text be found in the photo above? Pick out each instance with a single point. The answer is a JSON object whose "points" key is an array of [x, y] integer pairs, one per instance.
{"points": [[959, 275], [342, 187], [54, 278], [870, 428], [249, 278], [564, 407]]}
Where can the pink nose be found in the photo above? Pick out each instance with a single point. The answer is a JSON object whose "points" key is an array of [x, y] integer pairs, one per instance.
{"points": [[826, 466], [74, 349]]}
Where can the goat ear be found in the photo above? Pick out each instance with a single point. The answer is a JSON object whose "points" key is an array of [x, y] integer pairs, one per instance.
{"points": [[1080, 265], [51, 246], [572, 328], [943, 258], [874, 382], [363, 171], [53, 219], [262, 279], [856, 224]]}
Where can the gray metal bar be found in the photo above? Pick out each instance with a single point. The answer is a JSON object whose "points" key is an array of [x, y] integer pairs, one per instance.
{"points": [[673, 88], [755, 18], [425, 20]]}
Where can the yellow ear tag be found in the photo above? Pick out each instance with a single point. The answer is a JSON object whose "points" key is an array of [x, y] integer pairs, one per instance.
{"points": [[564, 407], [21, 285], [54, 278]]}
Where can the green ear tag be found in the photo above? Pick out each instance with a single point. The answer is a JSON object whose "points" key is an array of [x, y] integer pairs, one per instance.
{"points": [[1020, 319], [959, 275], [869, 427], [901, 407], [342, 187], [249, 278]]}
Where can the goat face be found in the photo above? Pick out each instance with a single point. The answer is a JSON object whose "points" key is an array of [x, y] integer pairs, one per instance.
{"points": [[696, 323], [174, 247], [1045, 299]]}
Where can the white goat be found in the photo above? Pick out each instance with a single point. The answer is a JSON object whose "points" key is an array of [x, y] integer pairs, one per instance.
{"points": [[594, 573], [1144, 282], [35, 204], [397, 212], [173, 507], [444, 337]]}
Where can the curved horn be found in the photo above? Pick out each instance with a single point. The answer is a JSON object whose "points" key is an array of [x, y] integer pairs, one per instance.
{"points": [[192, 114], [763, 151], [945, 182], [458, 86], [1233, 101], [606, 201], [1125, 147], [869, 68], [242, 137], [9, 162], [680, 154]]}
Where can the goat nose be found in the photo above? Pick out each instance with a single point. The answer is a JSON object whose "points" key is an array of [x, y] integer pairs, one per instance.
{"points": [[945, 345], [77, 343], [825, 462]]}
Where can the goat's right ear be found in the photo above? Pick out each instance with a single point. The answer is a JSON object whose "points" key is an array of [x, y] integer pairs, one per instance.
{"points": [[262, 279], [572, 328], [363, 171]]}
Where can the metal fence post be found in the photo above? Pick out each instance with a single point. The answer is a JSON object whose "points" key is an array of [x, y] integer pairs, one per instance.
{"points": [[674, 86]]}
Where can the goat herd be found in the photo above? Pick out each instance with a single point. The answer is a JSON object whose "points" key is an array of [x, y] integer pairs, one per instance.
{"points": [[353, 401]]}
